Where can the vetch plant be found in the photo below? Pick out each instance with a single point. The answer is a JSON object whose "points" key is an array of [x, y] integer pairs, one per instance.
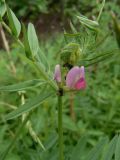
{"points": [[75, 80], [69, 74]]}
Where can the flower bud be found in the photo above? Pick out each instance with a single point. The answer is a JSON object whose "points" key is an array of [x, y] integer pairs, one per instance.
{"points": [[57, 73], [70, 54]]}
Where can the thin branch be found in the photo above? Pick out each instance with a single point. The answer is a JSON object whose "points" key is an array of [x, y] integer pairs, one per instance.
{"points": [[7, 48]]}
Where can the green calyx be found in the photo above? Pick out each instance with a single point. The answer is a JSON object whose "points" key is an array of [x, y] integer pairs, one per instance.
{"points": [[70, 54]]}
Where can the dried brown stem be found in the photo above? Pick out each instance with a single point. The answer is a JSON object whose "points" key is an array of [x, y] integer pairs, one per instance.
{"points": [[7, 48]]}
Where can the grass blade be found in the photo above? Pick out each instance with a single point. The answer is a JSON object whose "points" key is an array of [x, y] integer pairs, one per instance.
{"points": [[22, 85], [110, 149], [117, 150], [94, 154], [78, 151], [28, 106]]}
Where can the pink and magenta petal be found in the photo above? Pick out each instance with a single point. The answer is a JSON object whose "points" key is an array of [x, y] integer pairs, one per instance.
{"points": [[81, 84], [76, 78], [72, 75]]}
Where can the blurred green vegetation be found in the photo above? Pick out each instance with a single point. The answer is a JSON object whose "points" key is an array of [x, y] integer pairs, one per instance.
{"points": [[70, 8], [96, 109]]}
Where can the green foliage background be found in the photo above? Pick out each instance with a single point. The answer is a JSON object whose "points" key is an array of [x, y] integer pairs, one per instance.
{"points": [[97, 108]]}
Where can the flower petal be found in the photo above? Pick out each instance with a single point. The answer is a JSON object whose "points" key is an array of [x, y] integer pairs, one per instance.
{"points": [[82, 72], [57, 74], [76, 78], [81, 84], [73, 76]]}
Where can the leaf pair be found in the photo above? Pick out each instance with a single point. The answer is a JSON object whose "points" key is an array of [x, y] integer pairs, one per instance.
{"points": [[31, 45], [89, 23], [30, 41], [32, 48], [13, 22]]}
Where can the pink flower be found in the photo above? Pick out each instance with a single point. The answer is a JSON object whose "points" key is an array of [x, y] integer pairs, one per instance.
{"points": [[57, 74], [75, 78]]}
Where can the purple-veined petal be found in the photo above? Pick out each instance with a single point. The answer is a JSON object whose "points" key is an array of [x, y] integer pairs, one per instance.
{"points": [[75, 78], [57, 73]]}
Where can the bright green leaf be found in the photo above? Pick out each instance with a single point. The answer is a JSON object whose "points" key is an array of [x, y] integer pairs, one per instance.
{"points": [[14, 22], [26, 44], [32, 39], [2, 9]]}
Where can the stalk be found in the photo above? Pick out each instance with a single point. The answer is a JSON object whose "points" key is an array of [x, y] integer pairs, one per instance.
{"points": [[60, 127]]}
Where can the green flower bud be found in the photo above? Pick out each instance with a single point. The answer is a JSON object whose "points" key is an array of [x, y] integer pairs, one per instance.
{"points": [[70, 54]]}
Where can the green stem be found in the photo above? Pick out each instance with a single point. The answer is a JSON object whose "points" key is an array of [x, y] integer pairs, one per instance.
{"points": [[60, 128]]}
